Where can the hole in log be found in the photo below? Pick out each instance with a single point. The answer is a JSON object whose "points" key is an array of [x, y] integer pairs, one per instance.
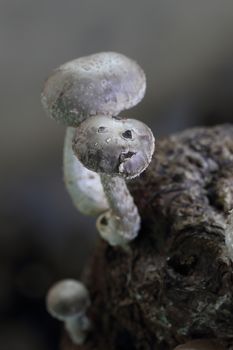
{"points": [[182, 265]]}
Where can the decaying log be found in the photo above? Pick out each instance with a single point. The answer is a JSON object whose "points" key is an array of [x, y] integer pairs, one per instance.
{"points": [[176, 283]]}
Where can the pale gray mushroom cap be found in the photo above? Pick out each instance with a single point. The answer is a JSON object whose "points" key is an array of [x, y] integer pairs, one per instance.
{"points": [[67, 298], [104, 83], [118, 147]]}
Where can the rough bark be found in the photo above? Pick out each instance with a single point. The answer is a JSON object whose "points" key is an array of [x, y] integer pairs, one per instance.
{"points": [[176, 282]]}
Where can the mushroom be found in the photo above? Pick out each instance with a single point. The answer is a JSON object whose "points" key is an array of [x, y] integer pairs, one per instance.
{"points": [[89, 93], [117, 149], [68, 301], [105, 83]]}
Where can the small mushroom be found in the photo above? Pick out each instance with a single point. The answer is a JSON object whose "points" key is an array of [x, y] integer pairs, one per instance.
{"points": [[105, 83], [83, 185], [117, 149], [68, 301]]}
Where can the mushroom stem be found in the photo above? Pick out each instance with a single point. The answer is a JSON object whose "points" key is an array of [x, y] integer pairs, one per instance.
{"points": [[78, 326], [121, 223], [83, 185]]}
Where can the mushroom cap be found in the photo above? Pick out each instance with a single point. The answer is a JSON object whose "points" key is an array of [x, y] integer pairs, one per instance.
{"points": [[118, 147], [104, 83], [67, 298]]}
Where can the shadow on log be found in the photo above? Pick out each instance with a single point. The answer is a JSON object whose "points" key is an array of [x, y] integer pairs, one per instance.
{"points": [[176, 283]]}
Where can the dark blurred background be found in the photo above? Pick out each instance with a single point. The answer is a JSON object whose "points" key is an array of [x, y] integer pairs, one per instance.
{"points": [[186, 50]]}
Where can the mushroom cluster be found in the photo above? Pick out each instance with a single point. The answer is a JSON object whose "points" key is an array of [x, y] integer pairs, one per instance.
{"points": [[102, 149]]}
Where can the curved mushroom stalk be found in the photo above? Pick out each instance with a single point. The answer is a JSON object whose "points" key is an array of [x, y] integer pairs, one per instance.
{"points": [[121, 223], [78, 327], [83, 185]]}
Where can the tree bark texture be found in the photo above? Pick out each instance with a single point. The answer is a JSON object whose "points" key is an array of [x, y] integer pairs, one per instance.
{"points": [[176, 282]]}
